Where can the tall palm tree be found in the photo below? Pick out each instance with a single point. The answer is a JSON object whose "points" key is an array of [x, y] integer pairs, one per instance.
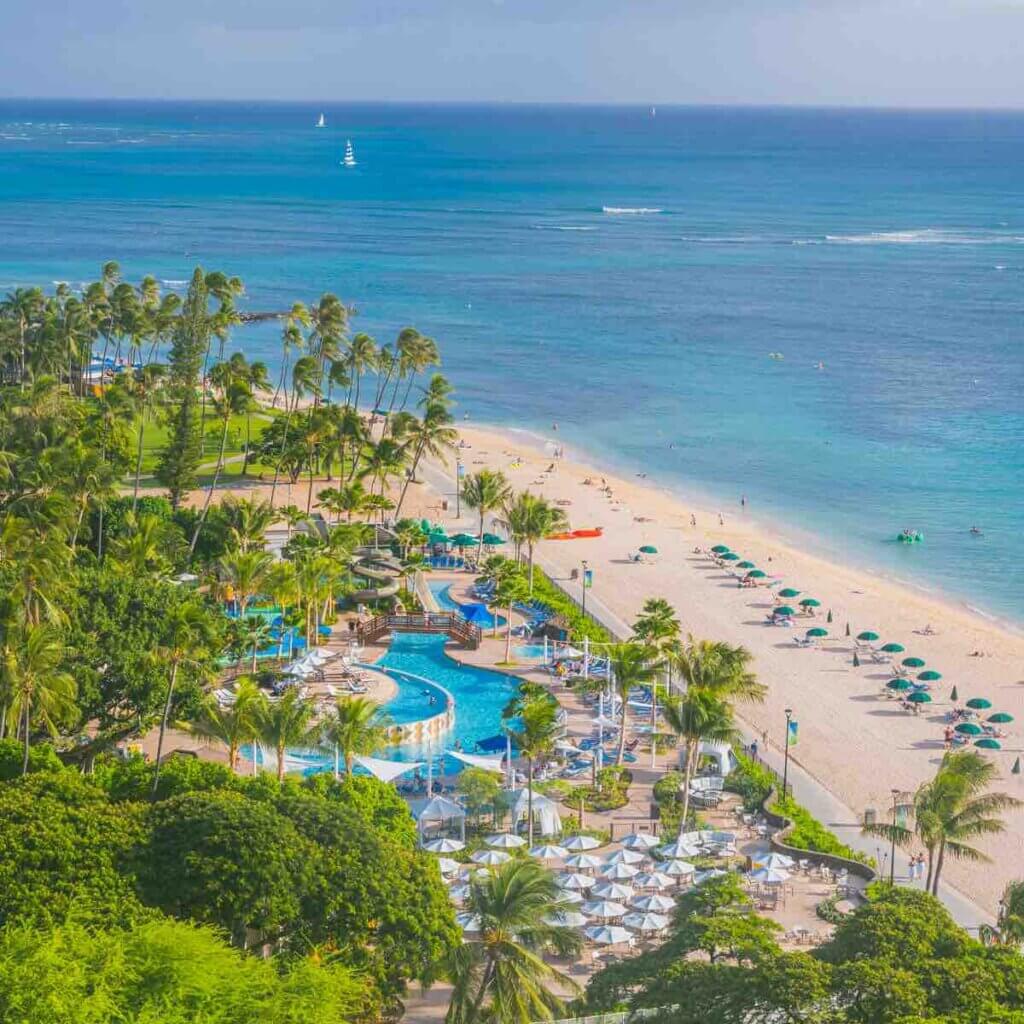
{"points": [[305, 381], [361, 357], [288, 722], [40, 692], [434, 435], [658, 627], [631, 665], [719, 667], [246, 572], [499, 974], [387, 459], [292, 340], [528, 519], [486, 492], [247, 520], [1009, 929], [144, 548], [511, 590], [535, 738], [356, 725], [146, 385], [233, 725]]}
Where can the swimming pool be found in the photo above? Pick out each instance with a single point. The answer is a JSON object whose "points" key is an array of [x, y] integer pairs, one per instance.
{"points": [[447, 603], [529, 651]]}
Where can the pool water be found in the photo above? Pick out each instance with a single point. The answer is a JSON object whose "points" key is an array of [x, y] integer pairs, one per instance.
{"points": [[447, 603], [529, 651]]}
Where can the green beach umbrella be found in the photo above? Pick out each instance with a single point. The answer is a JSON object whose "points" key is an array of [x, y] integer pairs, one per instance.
{"points": [[438, 537], [868, 634], [817, 631], [425, 525], [463, 540], [914, 662], [920, 698], [988, 744], [648, 549], [953, 695], [756, 574], [979, 703], [893, 648], [492, 539], [720, 549], [856, 660], [969, 729], [810, 602], [1015, 770], [898, 684], [730, 556], [929, 675], [1000, 718], [783, 609], [745, 565], [789, 592]]}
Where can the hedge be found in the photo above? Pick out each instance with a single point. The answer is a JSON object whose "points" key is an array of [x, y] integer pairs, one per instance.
{"points": [[809, 834]]}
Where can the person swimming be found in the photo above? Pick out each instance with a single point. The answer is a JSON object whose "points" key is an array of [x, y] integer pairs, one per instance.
{"points": [[976, 530]]}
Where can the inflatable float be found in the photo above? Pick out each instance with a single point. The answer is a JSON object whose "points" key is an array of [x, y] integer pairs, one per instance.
{"points": [[910, 537]]}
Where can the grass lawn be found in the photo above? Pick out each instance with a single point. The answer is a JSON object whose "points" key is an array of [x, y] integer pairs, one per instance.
{"points": [[154, 437]]}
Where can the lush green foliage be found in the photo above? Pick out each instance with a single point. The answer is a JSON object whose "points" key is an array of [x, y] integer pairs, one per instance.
{"points": [[578, 625], [809, 834], [610, 792], [752, 780]]}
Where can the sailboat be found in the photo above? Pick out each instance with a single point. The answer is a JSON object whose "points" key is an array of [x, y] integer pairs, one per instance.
{"points": [[321, 123], [654, 111], [350, 157]]}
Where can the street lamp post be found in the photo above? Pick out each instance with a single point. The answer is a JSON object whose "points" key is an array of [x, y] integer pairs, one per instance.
{"points": [[583, 587], [785, 762], [892, 852]]}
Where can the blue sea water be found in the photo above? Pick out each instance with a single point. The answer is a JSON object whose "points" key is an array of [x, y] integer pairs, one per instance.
{"points": [[888, 246]]}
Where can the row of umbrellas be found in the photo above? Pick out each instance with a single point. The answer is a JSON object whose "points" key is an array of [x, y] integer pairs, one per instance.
{"points": [[461, 540]]}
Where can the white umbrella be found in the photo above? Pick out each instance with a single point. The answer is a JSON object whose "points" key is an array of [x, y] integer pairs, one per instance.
{"points": [[575, 881], [448, 866], [444, 845], [566, 919], [566, 653], [549, 852], [654, 902], [617, 872], [625, 857], [680, 848], [603, 908], [569, 896], [505, 841], [469, 922], [653, 880], [490, 858], [565, 747], [769, 876], [702, 876], [608, 935], [583, 861], [645, 922], [640, 841], [459, 892], [581, 842], [612, 891], [774, 860], [678, 868]]}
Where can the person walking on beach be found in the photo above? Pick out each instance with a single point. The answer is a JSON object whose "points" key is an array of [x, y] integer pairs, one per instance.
{"points": [[693, 519]]}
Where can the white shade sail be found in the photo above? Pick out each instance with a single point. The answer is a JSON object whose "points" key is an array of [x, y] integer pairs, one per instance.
{"points": [[386, 771], [489, 762]]}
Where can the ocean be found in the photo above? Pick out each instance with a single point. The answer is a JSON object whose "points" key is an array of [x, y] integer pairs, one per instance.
{"points": [[822, 311]]}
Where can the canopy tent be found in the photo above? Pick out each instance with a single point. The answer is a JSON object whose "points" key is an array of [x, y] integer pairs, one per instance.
{"points": [[720, 753], [386, 771], [546, 819], [441, 812], [489, 762]]}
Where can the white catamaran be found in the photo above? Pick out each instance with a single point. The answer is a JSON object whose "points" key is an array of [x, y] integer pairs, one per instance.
{"points": [[350, 156], [321, 123]]}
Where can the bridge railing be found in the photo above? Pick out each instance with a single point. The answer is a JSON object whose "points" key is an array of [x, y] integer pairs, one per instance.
{"points": [[427, 622]]}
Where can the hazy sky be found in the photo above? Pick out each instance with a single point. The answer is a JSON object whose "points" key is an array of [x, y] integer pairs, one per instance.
{"points": [[862, 52]]}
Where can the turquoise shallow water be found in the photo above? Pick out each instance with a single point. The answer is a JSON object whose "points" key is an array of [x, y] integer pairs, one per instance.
{"points": [[887, 246], [443, 595]]}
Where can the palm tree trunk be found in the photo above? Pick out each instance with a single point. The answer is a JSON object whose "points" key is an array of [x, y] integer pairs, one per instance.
{"points": [[529, 548], [687, 773], [28, 723], [931, 864], [284, 441], [280, 762], [408, 480], [938, 867], [163, 727], [213, 487], [622, 730], [480, 545], [508, 635], [233, 756], [529, 802], [138, 464]]}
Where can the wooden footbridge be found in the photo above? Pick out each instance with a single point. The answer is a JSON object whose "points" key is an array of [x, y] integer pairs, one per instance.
{"points": [[457, 628]]}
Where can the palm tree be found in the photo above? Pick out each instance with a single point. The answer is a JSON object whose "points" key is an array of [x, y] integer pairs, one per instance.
{"points": [[499, 974], [292, 515], [511, 589], [528, 520], [485, 491], [305, 381], [246, 572], [631, 666], [288, 722], [247, 520], [1009, 929], [233, 725], [144, 549], [361, 357], [291, 340], [146, 386], [698, 715], [535, 738], [658, 627], [39, 691], [718, 667], [434, 435], [257, 633], [356, 726]]}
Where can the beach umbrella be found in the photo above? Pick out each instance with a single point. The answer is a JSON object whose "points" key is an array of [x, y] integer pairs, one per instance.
{"points": [[774, 860], [492, 539], [448, 866], [929, 676], [869, 636], [969, 729], [783, 609], [704, 876], [581, 842], [898, 684], [1015, 770], [720, 549], [678, 868], [653, 880], [583, 862], [569, 896], [979, 703], [640, 841], [914, 662], [547, 852], [617, 872], [574, 881], [856, 660], [469, 922], [745, 565], [444, 845], [810, 602], [769, 876], [645, 922], [489, 858], [756, 574], [463, 540], [603, 908], [438, 537], [505, 841], [920, 697], [648, 549], [989, 744], [953, 695], [789, 592], [613, 891], [730, 556], [680, 848], [566, 919], [459, 892], [625, 857], [655, 902], [603, 935], [892, 648], [1000, 718], [817, 631]]}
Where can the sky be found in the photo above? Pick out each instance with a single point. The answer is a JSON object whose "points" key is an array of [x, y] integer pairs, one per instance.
{"points": [[907, 53]]}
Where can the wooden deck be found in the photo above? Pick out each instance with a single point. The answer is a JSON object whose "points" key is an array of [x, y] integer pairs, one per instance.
{"points": [[457, 628]]}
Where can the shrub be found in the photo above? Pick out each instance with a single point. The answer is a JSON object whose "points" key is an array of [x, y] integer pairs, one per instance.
{"points": [[809, 834], [752, 781], [611, 791]]}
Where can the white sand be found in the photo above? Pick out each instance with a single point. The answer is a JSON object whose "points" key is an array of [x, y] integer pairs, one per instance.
{"points": [[857, 744]]}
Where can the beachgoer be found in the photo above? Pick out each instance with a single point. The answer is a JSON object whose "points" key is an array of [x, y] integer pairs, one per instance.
{"points": [[743, 501], [693, 519], [753, 749], [554, 426], [721, 521]]}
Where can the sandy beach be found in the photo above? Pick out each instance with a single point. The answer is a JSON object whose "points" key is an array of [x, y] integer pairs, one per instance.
{"points": [[856, 742]]}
